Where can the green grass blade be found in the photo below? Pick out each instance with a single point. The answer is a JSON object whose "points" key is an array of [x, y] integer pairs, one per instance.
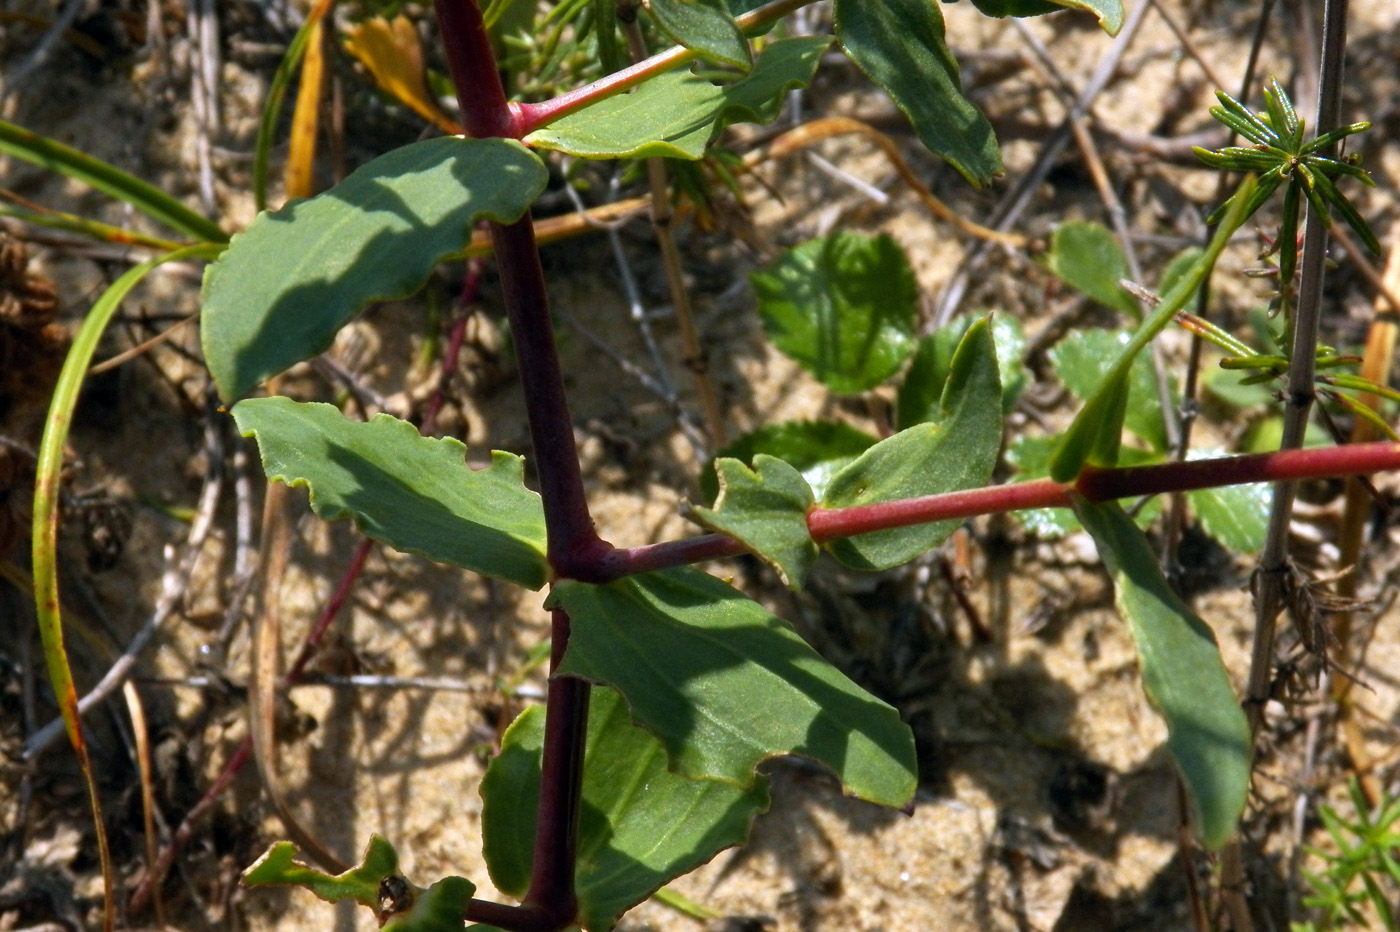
{"points": [[71, 223], [150, 200], [45, 530]]}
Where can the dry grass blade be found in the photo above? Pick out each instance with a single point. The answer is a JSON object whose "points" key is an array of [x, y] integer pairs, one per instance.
{"points": [[142, 736], [262, 696], [139, 349], [45, 535], [1375, 366], [299, 176], [817, 130]]}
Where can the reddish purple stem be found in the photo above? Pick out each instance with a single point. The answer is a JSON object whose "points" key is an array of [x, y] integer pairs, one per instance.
{"points": [[1095, 485]]}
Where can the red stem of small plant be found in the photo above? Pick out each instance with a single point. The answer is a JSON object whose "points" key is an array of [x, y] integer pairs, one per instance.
{"points": [[1095, 485]]}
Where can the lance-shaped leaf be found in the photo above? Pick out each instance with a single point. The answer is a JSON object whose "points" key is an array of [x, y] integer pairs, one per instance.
{"points": [[956, 451], [921, 391], [639, 826], [843, 306], [1182, 674], [704, 26], [724, 684], [678, 114], [1085, 357], [899, 44], [415, 493], [294, 277], [766, 508], [1094, 437], [399, 905]]}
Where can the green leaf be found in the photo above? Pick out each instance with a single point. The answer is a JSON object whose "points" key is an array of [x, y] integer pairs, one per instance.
{"points": [[922, 387], [843, 306], [1108, 12], [956, 451], [1087, 257], [1084, 358], [440, 908], [1182, 675], [817, 449], [704, 26], [1095, 435], [110, 180], [294, 277], [724, 685], [360, 883], [765, 508], [1235, 515], [640, 825], [415, 493], [899, 44], [678, 114]]}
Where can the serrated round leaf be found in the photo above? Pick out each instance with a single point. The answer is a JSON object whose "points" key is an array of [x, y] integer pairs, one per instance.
{"points": [[1182, 674], [640, 825], [704, 26], [900, 45], [1084, 358], [1087, 257], [958, 451], [678, 114], [724, 684], [286, 284], [415, 493], [817, 449], [1235, 515], [765, 508], [843, 306]]}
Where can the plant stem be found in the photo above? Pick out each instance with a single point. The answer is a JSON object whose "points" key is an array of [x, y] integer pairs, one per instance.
{"points": [[573, 544], [663, 228], [1272, 573], [561, 789], [1095, 485], [572, 540], [1274, 562], [527, 118]]}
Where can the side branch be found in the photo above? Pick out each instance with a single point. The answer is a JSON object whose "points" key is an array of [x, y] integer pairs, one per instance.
{"points": [[1095, 485]]}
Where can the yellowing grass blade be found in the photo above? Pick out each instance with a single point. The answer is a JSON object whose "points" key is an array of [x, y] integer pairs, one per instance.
{"points": [[301, 157], [45, 532]]}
